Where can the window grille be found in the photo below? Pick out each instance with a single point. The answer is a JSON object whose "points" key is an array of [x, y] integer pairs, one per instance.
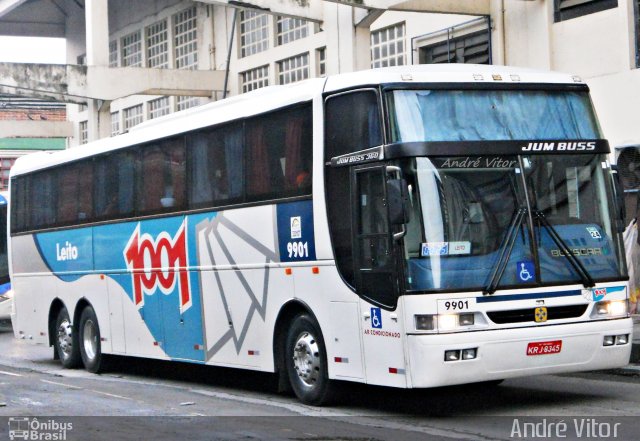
{"points": [[387, 46], [132, 50], [132, 116], [113, 53], [322, 61], [568, 9], [255, 79], [186, 39], [471, 47], [293, 69], [159, 107], [158, 45], [115, 123], [84, 132], [186, 102], [254, 32], [290, 29]]}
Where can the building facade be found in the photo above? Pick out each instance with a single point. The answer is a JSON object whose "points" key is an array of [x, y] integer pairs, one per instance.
{"points": [[152, 46]]}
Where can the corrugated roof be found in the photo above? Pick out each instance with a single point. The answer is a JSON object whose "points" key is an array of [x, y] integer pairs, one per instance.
{"points": [[12, 102]]}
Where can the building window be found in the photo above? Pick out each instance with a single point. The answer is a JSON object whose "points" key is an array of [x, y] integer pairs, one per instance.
{"points": [[321, 57], [254, 32], [84, 132], [290, 29], [113, 54], [466, 43], [158, 45], [132, 50], [387, 46], [115, 123], [255, 79], [293, 69], [132, 116], [568, 9], [186, 39], [186, 102], [159, 107]]}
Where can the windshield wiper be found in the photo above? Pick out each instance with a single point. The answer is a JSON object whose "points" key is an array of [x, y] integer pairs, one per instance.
{"points": [[587, 280], [505, 251]]}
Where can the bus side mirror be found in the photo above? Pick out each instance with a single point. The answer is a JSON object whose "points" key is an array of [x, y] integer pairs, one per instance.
{"points": [[398, 200], [621, 212]]}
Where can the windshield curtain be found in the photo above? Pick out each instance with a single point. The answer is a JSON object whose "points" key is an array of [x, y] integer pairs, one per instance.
{"points": [[474, 115], [470, 215]]}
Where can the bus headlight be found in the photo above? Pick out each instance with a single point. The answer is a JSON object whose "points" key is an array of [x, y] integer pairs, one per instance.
{"points": [[447, 322], [443, 322], [424, 322], [610, 308]]}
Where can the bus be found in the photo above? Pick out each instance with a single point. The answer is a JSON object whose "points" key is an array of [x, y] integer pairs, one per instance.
{"points": [[6, 305], [408, 227]]}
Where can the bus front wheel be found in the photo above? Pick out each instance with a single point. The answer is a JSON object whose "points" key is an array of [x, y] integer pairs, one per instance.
{"points": [[89, 336], [306, 362], [66, 342]]}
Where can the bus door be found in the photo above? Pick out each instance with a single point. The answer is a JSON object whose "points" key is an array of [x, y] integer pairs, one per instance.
{"points": [[377, 278]]}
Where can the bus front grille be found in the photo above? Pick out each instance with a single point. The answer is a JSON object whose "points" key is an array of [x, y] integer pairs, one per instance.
{"points": [[528, 315]]}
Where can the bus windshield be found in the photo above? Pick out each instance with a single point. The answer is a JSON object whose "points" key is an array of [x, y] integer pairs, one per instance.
{"points": [[472, 115], [471, 215]]}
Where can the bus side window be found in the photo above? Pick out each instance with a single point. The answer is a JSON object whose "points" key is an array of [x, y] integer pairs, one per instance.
{"points": [[279, 149], [114, 178], [217, 169], [42, 188]]}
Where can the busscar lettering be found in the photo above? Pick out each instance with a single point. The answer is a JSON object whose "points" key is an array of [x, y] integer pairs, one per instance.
{"points": [[158, 264], [559, 146], [371, 156], [579, 252]]}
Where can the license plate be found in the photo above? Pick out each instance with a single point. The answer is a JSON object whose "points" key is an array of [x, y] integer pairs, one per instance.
{"points": [[544, 347]]}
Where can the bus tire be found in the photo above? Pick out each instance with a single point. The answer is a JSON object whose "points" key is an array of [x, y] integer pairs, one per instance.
{"points": [[66, 341], [306, 362], [89, 337]]}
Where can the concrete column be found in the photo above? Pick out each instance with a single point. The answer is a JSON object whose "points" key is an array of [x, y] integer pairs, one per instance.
{"points": [[97, 45], [97, 28], [347, 45]]}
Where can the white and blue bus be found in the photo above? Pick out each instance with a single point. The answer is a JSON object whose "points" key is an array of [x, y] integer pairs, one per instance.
{"points": [[408, 227]]}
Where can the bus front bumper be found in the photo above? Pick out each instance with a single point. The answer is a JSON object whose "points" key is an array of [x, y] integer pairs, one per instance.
{"points": [[509, 353]]}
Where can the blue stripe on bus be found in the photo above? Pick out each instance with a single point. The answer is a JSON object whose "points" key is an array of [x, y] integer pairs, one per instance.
{"points": [[538, 295]]}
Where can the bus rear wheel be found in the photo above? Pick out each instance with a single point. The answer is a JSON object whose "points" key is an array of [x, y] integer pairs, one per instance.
{"points": [[89, 336], [66, 341], [306, 362]]}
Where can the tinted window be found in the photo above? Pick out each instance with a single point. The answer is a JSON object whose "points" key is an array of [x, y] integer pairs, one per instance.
{"points": [[279, 154], [114, 176], [162, 177], [352, 124], [21, 206], [43, 199], [217, 168], [75, 195]]}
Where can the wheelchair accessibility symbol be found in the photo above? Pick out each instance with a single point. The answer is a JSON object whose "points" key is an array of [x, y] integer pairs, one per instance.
{"points": [[376, 318], [526, 271]]}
